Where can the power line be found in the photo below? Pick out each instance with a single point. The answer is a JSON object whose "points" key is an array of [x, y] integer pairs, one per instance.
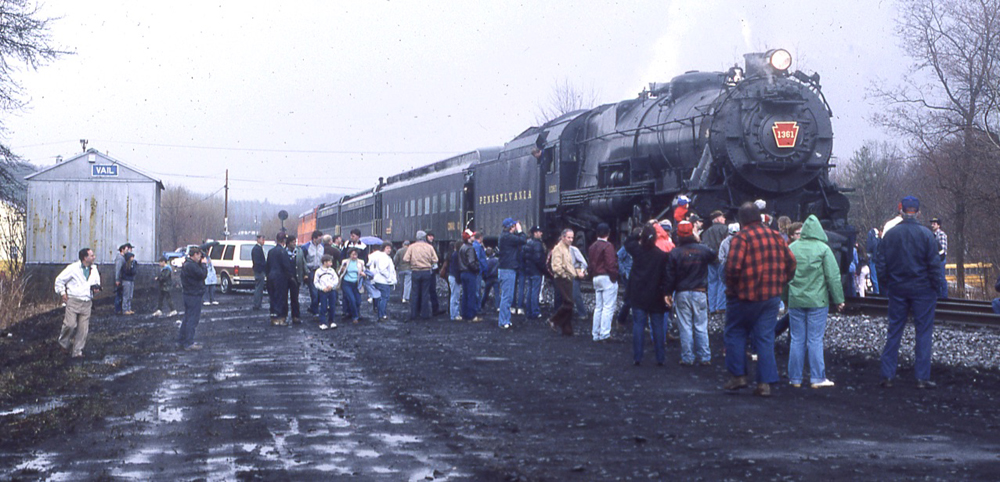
{"points": [[244, 149], [262, 181]]}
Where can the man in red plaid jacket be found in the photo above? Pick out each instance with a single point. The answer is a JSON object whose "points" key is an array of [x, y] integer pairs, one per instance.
{"points": [[757, 269]]}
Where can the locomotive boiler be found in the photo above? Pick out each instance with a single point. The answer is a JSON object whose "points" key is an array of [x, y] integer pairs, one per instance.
{"points": [[759, 131]]}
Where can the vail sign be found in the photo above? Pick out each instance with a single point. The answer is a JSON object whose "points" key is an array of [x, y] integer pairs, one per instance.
{"points": [[104, 170]]}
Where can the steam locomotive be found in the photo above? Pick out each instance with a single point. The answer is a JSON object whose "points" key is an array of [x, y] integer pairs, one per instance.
{"points": [[720, 138]]}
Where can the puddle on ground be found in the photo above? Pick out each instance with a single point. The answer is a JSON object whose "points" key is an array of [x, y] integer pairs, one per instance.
{"points": [[117, 375], [366, 453], [395, 439], [34, 408], [493, 359]]}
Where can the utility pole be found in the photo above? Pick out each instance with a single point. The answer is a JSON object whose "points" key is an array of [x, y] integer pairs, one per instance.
{"points": [[226, 209]]}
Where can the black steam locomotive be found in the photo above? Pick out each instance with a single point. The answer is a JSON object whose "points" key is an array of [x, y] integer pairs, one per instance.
{"points": [[719, 138]]}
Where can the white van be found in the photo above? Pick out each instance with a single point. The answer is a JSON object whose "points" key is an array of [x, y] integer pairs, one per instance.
{"points": [[233, 263]]}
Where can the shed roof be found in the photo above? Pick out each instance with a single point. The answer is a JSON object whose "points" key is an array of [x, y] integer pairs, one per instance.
{"points": [[73, 169]]}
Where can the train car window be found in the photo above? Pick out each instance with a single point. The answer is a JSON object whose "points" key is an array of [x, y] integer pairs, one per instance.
{"points": [[228, 256], [427, 205], [444, 202], [413, 207], [434, 205], [420, 208], [452, 204]]}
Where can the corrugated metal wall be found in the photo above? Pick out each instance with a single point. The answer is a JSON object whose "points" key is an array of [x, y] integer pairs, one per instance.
{"points": [[65, 216]]}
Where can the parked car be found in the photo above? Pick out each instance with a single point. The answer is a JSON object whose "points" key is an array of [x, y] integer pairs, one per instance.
{"points": [[233, 262]]}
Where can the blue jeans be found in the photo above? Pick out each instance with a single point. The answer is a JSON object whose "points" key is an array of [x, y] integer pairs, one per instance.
{"points": [[716, 288], [656, 328], [533, 291], [352, 299], [470, 294], [944, 281], [605, 299], [327, 305], [692, 316], [381, 304], [754, 319], [807, 326], [508, 278], [922, 307], [192, 312], [519, 286], [873, 275], [455, 301], [128, 288], [491, 286], [421, 281], [996, 305], [404, 276]]}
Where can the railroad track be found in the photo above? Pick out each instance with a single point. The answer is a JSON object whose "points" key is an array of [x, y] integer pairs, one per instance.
{"points": [[965, 312]]}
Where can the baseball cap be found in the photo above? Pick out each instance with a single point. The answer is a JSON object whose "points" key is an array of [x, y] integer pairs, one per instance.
{"points": [[536, 229], [936, 221], [508, 223], [909, 204]]}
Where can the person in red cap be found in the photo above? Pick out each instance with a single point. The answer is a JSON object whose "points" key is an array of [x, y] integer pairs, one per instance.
{"points": [[687, 278], [909, 271]]}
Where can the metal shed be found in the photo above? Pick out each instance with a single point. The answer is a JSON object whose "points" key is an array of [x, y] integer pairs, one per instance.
{"points": [[91, 200]]}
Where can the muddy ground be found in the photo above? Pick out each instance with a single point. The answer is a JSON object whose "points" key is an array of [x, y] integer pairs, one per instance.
{"points": [[446, 400]]}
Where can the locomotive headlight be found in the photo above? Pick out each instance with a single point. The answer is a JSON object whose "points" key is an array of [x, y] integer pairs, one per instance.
{"points": [[779, 59]]}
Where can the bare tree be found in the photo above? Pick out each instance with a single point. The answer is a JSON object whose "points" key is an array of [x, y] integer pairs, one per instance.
{"points": [[876, 172], [188, 218], [12, 238], [949, 104], [24, 42], [565, 97]]}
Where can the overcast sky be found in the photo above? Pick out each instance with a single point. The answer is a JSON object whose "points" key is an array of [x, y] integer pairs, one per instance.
{"points": [[300, 99]]}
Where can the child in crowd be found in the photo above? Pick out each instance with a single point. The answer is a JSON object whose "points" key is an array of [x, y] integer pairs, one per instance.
{"points": [[326, 281], [164, 279], [128, 283]]}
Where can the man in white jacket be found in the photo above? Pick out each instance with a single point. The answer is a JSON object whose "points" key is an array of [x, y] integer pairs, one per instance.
{"points": [[76, 285]]}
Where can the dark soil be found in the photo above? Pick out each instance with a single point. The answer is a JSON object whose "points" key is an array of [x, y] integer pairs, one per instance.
{"points": [[440, 399]]}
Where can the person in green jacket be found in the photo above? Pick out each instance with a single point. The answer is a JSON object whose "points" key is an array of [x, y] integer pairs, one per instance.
{"points": [[815, 285]]}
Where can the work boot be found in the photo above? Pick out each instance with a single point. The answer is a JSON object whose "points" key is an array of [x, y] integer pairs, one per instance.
{"points": [[736, 383], [763, 390]]}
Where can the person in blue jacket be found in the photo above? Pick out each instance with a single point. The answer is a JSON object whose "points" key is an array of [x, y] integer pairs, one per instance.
{"points": [[909, 269]]}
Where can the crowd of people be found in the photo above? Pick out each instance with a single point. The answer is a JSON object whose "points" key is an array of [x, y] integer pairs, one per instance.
{"points": [[674, 271]]}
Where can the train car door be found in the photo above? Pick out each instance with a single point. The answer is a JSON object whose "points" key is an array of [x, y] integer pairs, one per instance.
{"points": [[468, 203], [549, 163], [377, 215]]}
